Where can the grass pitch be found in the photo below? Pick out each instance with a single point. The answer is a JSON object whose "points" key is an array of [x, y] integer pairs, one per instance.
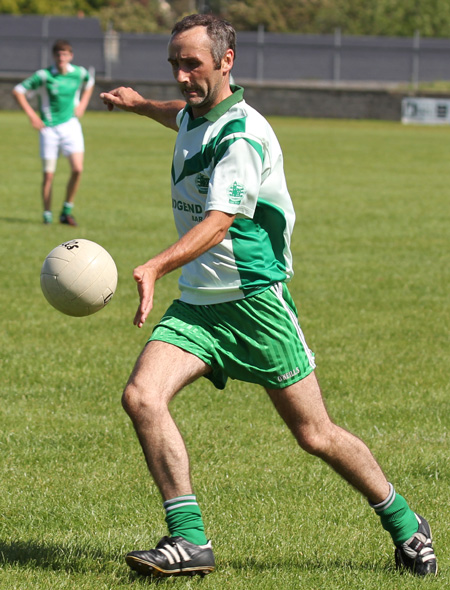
{"points": [[371, 256]]}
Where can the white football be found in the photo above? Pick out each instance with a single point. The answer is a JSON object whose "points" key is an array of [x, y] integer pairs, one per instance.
{"points": [[79, 277]]}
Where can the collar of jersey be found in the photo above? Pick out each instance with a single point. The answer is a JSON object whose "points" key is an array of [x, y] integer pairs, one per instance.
{"points": [[55, 70], [219, 110]]}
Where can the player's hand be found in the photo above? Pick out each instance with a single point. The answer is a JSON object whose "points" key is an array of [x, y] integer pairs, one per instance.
{"points": [[79, 111], [123, 98], [145, 278], [37, 123]]}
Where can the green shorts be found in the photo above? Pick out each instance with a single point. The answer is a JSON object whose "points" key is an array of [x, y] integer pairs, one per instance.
{"points": [[257, 339]]}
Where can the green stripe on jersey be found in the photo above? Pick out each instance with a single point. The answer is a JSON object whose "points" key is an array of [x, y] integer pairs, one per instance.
{"points": [[225, 145], [258, 247], [214, 150]]}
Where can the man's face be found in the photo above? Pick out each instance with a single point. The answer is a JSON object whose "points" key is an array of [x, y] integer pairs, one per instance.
{"points": [[201, 84], [62, 59]]}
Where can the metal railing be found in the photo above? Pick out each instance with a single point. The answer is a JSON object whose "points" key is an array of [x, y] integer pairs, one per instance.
{"points": [[25, 45]]}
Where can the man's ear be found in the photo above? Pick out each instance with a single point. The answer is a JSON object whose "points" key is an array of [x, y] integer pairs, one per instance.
{"points": [[228, 60]]}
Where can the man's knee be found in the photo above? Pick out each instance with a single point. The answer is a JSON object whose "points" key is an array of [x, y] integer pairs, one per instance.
{"points": [[132, 400], [47, 178], [315, 440], [138, 402], [76, 161]]}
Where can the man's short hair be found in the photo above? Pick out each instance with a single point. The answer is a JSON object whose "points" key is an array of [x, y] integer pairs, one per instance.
{"points": [[221, 33], [61, 45]]}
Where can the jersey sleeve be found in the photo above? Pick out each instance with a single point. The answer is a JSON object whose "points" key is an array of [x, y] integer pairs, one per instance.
{"points": [[31, 83], [236, 179]]}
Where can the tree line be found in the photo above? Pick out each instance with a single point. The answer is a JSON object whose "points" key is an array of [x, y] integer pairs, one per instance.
{"points": [[396, 18]]}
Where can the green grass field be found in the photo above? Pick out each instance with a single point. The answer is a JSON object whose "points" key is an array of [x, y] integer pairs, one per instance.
{"points": [[372, 265]]}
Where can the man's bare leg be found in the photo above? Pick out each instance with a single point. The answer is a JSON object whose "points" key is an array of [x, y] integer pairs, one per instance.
{"points": [[76, 164], [47, 186], [302, 408], [161, 371]]}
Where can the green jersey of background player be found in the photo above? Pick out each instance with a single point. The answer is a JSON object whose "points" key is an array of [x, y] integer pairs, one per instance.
{"points": [[235, 317], [64, 91]]}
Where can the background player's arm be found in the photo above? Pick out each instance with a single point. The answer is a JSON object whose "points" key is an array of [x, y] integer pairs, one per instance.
{"points": [[22, 100], [198, 240], [84, 101], [127, 99]]}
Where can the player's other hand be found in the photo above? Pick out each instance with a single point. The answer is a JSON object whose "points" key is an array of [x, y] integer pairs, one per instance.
{"points": [[79, 111], [145, 278], [37, 122], [123, 98]]}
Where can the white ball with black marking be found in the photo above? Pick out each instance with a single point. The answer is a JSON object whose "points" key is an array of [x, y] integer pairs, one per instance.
{"points": [[79, 277]]}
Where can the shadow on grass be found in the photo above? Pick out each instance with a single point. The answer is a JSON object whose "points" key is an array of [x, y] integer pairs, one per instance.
{"points": [[69, 558], [84, 559], [18, 220], [49, 556]]}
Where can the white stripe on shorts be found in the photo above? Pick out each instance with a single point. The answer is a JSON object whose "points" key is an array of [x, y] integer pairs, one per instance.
{"points": [[277, 289]]}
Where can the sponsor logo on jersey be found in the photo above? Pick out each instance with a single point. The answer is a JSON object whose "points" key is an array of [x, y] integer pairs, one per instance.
{"points": [[235, 193], [195, 209], [189, 207]]}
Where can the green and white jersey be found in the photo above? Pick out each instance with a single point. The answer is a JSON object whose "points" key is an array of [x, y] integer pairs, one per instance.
{"points": [[230, 161], [58, 94]]}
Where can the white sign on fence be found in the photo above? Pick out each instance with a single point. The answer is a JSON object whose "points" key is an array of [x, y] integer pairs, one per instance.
{"points": [[431, 111]]}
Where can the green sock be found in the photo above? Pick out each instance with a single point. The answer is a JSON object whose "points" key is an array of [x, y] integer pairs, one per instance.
{"points": [[67, 208], [397, 517], [184, 519]]}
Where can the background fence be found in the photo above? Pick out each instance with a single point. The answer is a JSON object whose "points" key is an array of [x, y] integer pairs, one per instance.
{"points": [[25, 46]]}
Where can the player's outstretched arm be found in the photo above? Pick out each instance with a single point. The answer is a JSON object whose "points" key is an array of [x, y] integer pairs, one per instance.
{"points": [[127, 99]]}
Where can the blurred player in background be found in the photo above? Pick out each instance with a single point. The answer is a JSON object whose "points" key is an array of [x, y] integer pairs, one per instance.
{"points": [[235, 317], [64, 91]]}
